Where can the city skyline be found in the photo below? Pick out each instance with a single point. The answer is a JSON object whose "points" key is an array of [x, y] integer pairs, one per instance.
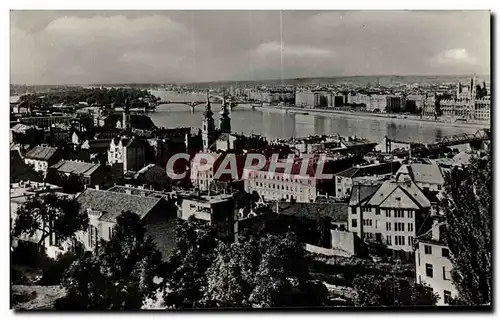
{"points": [[83, 47]]}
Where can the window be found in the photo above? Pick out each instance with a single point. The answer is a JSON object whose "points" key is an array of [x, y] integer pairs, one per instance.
{"points": [[410, 226], [387, 226], [428, 270], [388, 240], [367, 222], [445, 252], [399, 213], [354, 210], [428, 250], [418, 261], [399, 226], [388, 213], [376, 224], [400, 240], [447, 297], [377, 211], [410, 214], [110, 229], [366, 209], [92, 236], [439, 187], [410, 240], [444, 274], [354, 223]]}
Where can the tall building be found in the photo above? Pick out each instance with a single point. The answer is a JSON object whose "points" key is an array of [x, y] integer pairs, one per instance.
{"points": [[392, 213], [225, 120], [208, 126]]}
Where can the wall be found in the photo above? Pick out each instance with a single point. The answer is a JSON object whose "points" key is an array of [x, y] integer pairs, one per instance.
{"points": [[343, 240], [438, 284]]}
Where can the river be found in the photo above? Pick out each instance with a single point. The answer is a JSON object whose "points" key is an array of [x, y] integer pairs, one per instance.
{"points": [[276, 124]]}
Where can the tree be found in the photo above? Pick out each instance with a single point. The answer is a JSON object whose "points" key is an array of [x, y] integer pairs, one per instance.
{"points": [[230, 277], [269, 272], [185, 274], [49, 215], [468, 211], [376, 290], [119, 274]]}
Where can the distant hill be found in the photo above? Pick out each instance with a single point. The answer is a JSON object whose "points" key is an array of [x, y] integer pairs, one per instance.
{"points": [[361, 80]]}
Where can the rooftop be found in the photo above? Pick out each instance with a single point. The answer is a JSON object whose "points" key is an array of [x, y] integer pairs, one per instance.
{"points": [[41, 152], [112, 204], [424, 173], [371, 169], [140, 191], [314, 211], [19, 192], [76, 167]]}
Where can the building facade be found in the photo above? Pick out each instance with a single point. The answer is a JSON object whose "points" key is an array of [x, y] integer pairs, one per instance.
{"points": [[41, 157], [130, 152], [390, 213], [432, 263]]}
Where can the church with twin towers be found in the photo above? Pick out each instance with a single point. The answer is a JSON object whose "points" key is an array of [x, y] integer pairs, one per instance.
{"points": [[209, 132]]}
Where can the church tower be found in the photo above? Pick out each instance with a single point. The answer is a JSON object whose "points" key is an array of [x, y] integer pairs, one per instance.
{"points": [[126, 116], [225, 120], [208, 126]]}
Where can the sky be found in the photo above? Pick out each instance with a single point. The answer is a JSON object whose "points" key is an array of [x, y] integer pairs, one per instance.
{"points": [[104, 47]]}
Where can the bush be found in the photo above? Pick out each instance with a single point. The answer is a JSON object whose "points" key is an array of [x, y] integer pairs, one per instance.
{"points": [[17, 277], [54, 271], [27, 254]]}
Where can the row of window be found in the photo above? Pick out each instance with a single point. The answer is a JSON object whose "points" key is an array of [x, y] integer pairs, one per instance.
{"points": [[294, 179], [398, 213], [429, 272], [388, 226], [444, 251], [399, 240], [275, 186]]}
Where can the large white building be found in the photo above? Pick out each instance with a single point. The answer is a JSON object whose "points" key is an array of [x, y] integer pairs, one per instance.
{"points": [[302, 188], [465, 104], [392, 213], [432, 263]]}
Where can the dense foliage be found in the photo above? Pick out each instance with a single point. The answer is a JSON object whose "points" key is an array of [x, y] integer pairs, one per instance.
{"points": [[270, 271], [49, 216], [468, 210], [119, 274], [388, 290], [92, 96]]}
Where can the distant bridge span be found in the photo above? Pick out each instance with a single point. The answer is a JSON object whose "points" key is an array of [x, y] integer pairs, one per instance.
{"points": [[450, 140]]}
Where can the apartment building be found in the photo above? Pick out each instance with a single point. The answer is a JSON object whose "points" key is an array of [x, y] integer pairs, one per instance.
{"points": [[392, 213], [432, 262], [296, 186]]}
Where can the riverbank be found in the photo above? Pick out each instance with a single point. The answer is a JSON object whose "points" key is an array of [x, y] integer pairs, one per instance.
{"points": [[382, 116]]}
